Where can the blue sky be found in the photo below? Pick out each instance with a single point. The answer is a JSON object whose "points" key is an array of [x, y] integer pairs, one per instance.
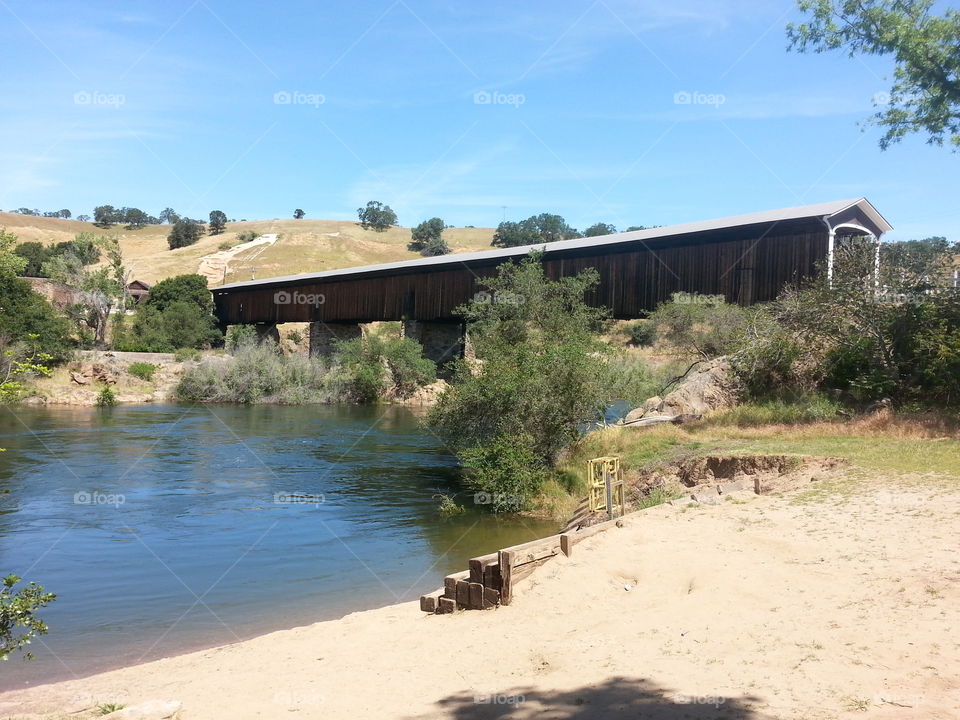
{"points": [[625, 112]]}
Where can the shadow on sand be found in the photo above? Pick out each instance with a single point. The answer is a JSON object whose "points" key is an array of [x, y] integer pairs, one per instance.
{"points": [[616, 699]]}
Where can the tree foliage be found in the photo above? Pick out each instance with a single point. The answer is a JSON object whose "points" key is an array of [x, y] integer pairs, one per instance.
{"points": [[542, 375], [298, 214], [19, 622], [218, 222], [427, 238], [376, 216], [925, 48], [598, 229], [184, 232], [541, 228], [177, 314]]}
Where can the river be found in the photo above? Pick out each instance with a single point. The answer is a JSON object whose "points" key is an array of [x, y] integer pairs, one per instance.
{"points": [[165, 528]]}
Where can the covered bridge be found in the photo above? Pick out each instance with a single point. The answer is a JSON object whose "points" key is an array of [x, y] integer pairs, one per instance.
{"points": [[746, 259]]}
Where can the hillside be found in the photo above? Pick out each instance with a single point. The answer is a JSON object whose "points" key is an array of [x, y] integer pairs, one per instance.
{"points": [[302, 245]]}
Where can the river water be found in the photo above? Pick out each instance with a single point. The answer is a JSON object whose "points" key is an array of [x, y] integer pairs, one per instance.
{"points": [[167, 528]]}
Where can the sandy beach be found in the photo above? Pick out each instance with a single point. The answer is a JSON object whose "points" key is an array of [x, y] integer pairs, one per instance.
{"points": [[841, 601]]}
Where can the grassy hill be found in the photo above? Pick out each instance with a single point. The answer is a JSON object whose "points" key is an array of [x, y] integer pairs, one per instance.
{"points": [[302, 246]]}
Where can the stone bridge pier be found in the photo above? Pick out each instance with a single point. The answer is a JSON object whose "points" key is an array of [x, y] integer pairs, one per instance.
{"points": [[441, 341]]}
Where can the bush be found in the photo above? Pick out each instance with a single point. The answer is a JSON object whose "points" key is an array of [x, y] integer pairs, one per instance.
{"points": [[184, 232], [241, 337], [257, 374], [106, 397], [178, 314], [187, 355], [376, 216], [699, 324], [506, 472], [247, 236], [372, 367], [26, 315], [142, 370], [642, 333]]}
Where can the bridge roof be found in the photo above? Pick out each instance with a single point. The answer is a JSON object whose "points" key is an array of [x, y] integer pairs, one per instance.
{"points": [[820, 211]]}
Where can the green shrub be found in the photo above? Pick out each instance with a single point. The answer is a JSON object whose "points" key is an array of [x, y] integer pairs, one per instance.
{"points": [[187, 355], [142, 370], [241, 337], [225, 245], [25, 315], [247, 236], [812, 408], [704, 325], [506, 473], [257, 374], [371, 367], [642, 333], [106, 397]]}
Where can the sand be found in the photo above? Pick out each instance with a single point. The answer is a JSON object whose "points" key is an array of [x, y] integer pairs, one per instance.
{"points": [[833, 606]]}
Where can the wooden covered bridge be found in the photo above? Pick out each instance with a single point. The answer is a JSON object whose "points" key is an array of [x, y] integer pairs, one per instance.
{"points": [[746, 259]]}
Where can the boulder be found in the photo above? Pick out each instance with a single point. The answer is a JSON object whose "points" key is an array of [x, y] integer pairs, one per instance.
{"points": [[79, 379], [708, 387]]}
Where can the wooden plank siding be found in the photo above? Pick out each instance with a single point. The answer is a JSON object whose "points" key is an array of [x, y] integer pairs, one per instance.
{"points": [[745, 265]]}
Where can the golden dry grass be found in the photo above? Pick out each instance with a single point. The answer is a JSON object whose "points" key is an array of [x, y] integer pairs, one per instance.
{"points": [[303, 245]]}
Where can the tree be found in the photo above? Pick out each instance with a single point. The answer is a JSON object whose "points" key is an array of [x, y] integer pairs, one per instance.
{"points": [[177, 314], [36, 254], [541, 228], [65, 214], [86, 246], [190, 288], [543, 376], [10, 263], [83, 218], [435, 246], [635, 227], [428, 233], [105, 215], [376, 216], [18, 610], [99, 290], [925, 261], [218, 221], [298, 214], [184, 232], [925, 48], [599, 229], [134, 218], [169, 215]]}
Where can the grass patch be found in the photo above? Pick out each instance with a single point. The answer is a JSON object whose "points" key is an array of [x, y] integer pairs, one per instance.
{"points": [[107, 708]]}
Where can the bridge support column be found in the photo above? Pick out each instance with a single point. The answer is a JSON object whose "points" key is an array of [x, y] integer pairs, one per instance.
{"points": [[267, 332], [441, 341], [325, 336]]}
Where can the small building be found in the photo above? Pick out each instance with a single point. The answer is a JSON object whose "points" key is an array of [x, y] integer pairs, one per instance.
{"points": [[138, 290]]}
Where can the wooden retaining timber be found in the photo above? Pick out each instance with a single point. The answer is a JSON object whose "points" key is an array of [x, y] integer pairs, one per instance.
{"points": [[491, 579]]}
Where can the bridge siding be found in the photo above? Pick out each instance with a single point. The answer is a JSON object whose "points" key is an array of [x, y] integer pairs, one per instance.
{"points": [[743, 269]]}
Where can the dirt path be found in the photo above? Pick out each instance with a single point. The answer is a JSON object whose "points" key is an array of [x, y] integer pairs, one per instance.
{"points": [[838, 604], [214, 267]]}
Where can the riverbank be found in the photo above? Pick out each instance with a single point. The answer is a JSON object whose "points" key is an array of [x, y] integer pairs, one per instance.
{"points": [[839, 601]]}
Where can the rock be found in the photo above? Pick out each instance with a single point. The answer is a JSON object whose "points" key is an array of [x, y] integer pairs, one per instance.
{"points": [[709, 386], [79, 379], [151, 710]]}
